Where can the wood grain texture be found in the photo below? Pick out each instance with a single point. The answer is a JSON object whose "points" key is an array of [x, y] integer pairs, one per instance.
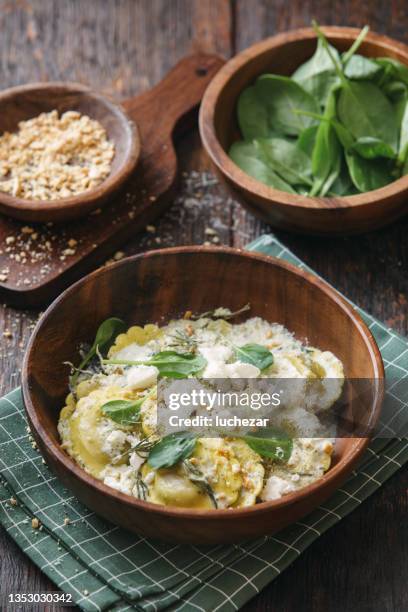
{"points": [[122, 48]]}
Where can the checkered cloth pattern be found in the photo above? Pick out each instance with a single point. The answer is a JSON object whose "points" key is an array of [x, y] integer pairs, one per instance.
{"points": [[106, 568]]}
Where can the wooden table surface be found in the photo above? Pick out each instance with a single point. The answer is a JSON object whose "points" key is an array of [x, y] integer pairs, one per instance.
{"points": [[122, 47]]}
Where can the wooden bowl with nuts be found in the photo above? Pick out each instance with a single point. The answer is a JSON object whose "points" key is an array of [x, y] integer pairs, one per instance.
{"points": [[64, 149]]}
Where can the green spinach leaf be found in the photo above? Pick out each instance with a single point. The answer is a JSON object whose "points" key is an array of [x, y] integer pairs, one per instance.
{"points": [[367, 174], [172, 449], [366, 111], [403, 143], [257, 355], [362, 68], [250, 158], [307, 139], [252, 115], [282, 96], [285, 158], [317, 75], [326, 156], [370, 148], [396, 70]]}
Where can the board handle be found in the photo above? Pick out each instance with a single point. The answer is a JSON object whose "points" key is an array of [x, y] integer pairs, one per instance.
{"points": [[159, 110]]}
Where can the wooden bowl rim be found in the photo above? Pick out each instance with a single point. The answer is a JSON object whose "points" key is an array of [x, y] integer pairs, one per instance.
{"points": [[245, 182], [94, 194], [89, 481]]}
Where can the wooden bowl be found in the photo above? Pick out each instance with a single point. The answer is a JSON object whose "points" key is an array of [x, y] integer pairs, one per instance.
{"points": [[282, 54], [27, 101], [154, 287]]}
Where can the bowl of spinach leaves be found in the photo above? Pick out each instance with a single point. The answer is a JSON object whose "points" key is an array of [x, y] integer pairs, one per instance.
{"points": [[310, 129]]}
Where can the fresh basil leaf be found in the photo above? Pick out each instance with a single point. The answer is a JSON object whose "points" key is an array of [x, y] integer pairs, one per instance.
{"points": [[366, 111], [172, 449], [123, 412], [362, 68], [317, 75], [282, 97], [177, 365], [368, 174], [252, 115], [257, 355], [287, 160], [307, 140], [370, 148], [270, 442], [249, 157]]}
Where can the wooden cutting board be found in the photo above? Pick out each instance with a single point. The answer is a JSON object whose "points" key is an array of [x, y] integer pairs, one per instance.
{"points": [[39, 261]]}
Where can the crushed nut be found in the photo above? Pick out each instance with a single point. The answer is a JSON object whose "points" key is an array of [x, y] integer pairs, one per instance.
{"points": [[35, 523], [210, 232], [52, 157]]}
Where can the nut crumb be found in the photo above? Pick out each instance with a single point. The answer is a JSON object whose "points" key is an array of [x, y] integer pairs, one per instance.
{"points": [[210, 232], [52, 157], [35, 523]]}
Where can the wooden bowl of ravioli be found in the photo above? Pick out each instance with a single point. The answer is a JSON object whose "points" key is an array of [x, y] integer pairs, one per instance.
{"points": [[282, 55], [164, 284]]}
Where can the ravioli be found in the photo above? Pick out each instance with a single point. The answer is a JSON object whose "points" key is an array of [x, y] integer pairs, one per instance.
{"points": [[230, 473]]}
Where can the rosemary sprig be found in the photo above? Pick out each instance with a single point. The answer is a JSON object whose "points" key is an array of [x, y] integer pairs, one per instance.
{"points": [[181, 339], [220, 313], [142, 448], [141, 487], [197, 477]]}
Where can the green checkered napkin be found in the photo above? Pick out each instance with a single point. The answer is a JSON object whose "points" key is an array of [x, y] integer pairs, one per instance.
{"points": [[107, 568]]}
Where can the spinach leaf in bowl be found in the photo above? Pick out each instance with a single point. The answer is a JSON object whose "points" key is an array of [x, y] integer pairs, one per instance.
{"points": [[288, 160], [367, 174], [282, 97], [317, 75], [337, 127], [366, 111], [250, 158]]}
